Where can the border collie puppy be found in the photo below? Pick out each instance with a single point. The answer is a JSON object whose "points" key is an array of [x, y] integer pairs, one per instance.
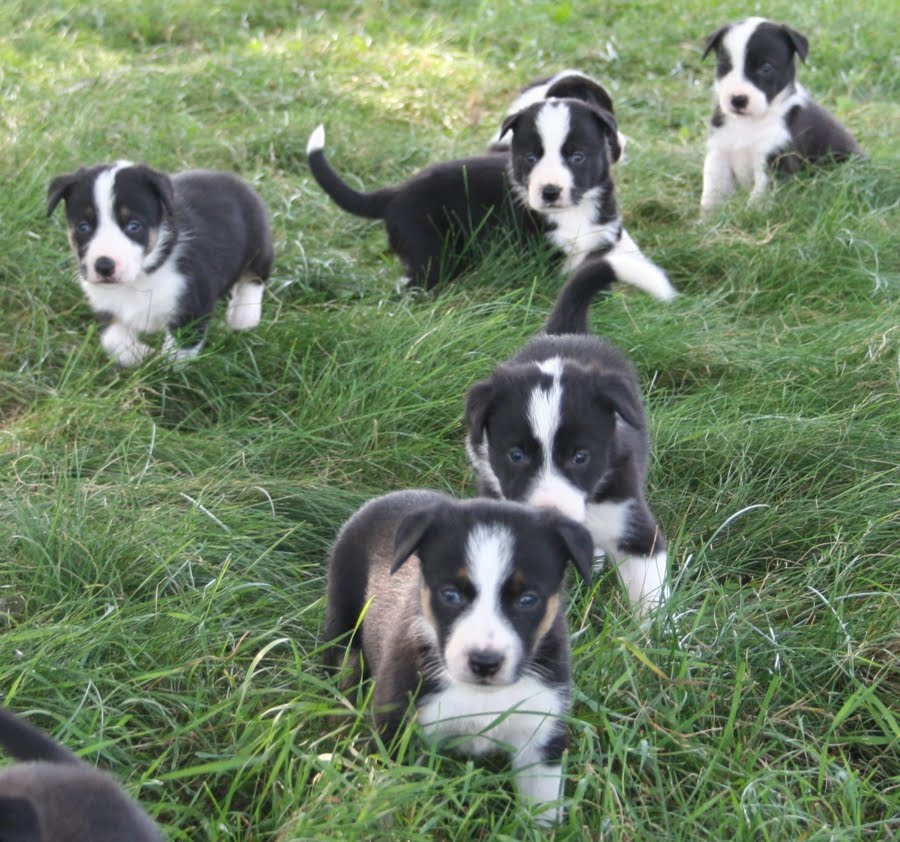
{"points": [[567, 84], [562, 424], [156, 252], [763, 117], [459, 606], [555, 182], [52, 795]]}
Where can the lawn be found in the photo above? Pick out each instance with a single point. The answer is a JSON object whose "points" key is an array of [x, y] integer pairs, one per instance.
{"points": [[165, 530]]}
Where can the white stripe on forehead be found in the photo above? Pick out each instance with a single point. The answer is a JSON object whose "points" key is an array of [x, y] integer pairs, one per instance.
{"points": [[552, 124], [735, 41], [545, 406], [104, 191], [489, 559]]}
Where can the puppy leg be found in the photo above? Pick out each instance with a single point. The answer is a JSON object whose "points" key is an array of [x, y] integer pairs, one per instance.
{"points": [[540, 785], [186, 340], [245, 305], [760, 181], [644, 578], [123, 345], [718, 181]]}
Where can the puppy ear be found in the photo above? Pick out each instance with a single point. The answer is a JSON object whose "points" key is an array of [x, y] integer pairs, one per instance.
{"points": [[712, 43], [578, 542], [620, 395], [509, 123], [580, 87], [60, 188], [410, 532], [478, 404], [160, 184], [19, 820], [798, 42], [608, 126]]}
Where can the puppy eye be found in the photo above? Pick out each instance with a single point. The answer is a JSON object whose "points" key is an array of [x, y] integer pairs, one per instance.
{"points": [[577, 158], [451, 596], [531, 158], [581, 457], [765, 68], [528, 599], [134, 226], [84, 227], [517, 456]]}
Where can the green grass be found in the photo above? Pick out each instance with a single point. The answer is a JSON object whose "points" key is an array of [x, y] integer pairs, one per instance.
{"points": [[164, 532]]}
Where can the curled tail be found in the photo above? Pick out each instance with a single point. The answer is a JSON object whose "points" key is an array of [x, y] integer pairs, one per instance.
{"points": [[570, 312], [25, 742], [369, 205]]}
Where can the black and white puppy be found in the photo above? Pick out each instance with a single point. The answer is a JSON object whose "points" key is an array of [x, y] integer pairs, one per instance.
{"points": [[459, 605], [555, 182], [157, 252], [763, 117], [562, 424], [53, 796], [567, 84]]}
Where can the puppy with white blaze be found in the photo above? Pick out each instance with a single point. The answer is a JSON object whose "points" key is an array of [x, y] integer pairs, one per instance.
{"points": [[459, 607], [562, 425], [763, 118], [157, 252], [554, 183], [52, 796]]}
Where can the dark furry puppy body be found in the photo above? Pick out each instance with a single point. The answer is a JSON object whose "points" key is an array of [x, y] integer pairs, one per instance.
{"points": [[157, 252], [554, 183], [460, 606], [763, 117], [561, 424], [52, 796]]}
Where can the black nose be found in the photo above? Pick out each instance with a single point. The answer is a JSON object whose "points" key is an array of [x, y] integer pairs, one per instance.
{"points": [[105, 267], [485, 663], [740, 101], [550, 192]]}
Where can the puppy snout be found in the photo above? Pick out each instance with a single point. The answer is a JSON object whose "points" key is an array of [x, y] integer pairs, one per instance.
{"points": [[105, 267], [551, 192], [485, 662], [739, 102]]}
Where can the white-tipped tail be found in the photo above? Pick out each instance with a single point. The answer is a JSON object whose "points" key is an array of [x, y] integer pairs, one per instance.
{"points": [[632, 267], [316, 140]]}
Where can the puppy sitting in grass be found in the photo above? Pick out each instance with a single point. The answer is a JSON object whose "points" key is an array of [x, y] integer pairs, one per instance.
{"points": [[52, 796], [459, 606]]}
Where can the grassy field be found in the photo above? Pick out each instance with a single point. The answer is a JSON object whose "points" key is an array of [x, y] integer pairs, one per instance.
{"points": [[164, 531]]}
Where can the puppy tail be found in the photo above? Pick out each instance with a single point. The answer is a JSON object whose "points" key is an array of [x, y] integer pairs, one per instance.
{"points": [[368, 205], [25, 742], [570, 313]]}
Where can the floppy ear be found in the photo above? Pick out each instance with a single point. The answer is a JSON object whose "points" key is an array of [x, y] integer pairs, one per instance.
{"points": [[410, 532], [713, 41], [581, 87], [509, 123], [619, 394], [798, 42], [160, 184], [577, 540], [18, 821], [478, 404], [60, 188], [607, 122]]}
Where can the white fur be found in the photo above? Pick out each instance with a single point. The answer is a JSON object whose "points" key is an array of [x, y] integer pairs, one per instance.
{"points": [[632, 267], [316, 140], [484, 626], [519, 716], [123, 345], [245, 305], [576, 234], [738, 151], [552, 124], [644, 578], [108, 239]]}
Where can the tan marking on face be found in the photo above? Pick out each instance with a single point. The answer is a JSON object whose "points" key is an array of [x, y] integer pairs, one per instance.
{"points": [[427, 613], [152, 239], [550, 613]]}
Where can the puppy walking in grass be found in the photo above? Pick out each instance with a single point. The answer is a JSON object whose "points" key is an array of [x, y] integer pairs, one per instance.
{"points": [[459, 607]]}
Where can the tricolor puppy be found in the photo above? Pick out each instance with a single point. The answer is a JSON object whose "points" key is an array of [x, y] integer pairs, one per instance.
{"points": [[157, 252], [459, 605], [562, 425], [555, 182], [763, 117], [52, 796], [567, 84]]}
